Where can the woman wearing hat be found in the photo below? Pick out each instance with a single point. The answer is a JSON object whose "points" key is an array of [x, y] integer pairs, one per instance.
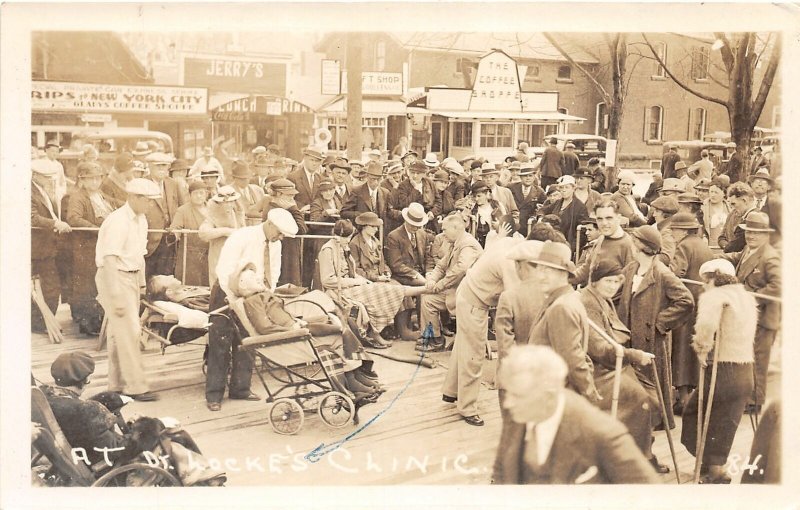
{"points": [[224, 216], [691, 252], [653, 302], [87, 207], [190, 216], [211, 178], [571, 212], [625, 200], [727, 316], [366, 249], [372, 306], [583, 191], [715, 211], [486, 212]]}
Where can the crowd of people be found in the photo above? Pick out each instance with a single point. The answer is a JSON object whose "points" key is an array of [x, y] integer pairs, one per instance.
{"points": [[465, 242]]}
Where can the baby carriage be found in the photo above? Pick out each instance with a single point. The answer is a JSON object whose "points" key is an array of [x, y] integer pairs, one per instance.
{"points": [[300, 368]]}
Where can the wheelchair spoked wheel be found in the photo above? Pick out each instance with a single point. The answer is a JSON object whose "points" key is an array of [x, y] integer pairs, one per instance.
{"points": [[137, 475], [286, 416], [336, 409]]}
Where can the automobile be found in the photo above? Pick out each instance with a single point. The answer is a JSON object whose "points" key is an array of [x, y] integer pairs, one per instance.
{"points": [[110, 142], [689, 151], [586, 146]]}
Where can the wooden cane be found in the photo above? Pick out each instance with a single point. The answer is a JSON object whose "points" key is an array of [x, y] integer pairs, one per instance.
{"points": [[666, 419], [707, 413], [103, 338], [619, 351], [698, 440]]}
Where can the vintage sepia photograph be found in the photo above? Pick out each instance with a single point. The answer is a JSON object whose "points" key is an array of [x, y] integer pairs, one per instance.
{"points": [[367, 253]]}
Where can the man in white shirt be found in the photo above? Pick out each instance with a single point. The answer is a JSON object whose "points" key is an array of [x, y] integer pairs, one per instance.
{"points": [[553, 435], [205, 162], [258, 245], [119, 255]]}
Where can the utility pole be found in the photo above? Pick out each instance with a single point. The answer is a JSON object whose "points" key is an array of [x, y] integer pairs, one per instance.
{"points": [[354, 121]]}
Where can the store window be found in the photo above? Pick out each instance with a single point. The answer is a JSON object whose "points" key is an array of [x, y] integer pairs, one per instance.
{"points": [[373, 134], [496, 135], [462, 134], [535, 134], [653, 123], [697, 123]]}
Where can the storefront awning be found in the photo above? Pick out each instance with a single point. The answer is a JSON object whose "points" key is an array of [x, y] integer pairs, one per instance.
{"points": [[484, 115], [369, 107]]}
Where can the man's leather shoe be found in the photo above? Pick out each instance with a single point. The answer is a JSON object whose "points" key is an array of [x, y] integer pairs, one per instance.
{"points": [[449, 399], [213, 406], [144, 397], [475, 420], [252, 397], [660, 468]]}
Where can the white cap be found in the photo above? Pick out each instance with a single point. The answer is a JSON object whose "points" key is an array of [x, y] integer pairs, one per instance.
{"points": [[721, 265], [283, 220], [627, 175], [526, 251], [144, 187], [259, 150], [43, 167], [566, 179], [159, 158], [451, 165]]}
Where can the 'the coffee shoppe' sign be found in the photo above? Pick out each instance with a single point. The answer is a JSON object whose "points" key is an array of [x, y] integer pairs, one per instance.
{"points": [[92, 97], [496, 85]]}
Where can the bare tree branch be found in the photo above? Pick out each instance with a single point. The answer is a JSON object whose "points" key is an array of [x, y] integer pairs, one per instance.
{"points": [[766, 81], [589, 76], [679, 82], [726, 51]]}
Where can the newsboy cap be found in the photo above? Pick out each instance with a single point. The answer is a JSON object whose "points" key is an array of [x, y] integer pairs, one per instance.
{"points": [[70, 368]]}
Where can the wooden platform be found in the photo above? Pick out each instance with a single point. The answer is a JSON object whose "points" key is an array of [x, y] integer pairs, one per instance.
{"points": [[409, 437]]}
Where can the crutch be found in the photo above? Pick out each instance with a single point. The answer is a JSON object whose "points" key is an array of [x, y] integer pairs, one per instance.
{"points": [[50, 321], [665, 418], [619, 351], [704, 415]]}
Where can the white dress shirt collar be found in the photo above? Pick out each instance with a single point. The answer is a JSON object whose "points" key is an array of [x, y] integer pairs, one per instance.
{"points": [[546, 431]]}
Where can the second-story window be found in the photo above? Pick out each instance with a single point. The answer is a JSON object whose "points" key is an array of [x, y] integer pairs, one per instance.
{"points": [[700, 63], [564, 74], [661, 51]]}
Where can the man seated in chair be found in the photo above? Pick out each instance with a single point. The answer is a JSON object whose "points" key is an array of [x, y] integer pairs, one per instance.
{"points": [[267, 314], [91, 426]]}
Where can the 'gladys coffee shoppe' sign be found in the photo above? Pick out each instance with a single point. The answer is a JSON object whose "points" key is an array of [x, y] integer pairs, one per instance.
{"points": [[93, 97], [496, 85]]}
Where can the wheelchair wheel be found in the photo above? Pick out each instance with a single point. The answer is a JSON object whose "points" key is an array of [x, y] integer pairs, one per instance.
{"points": [[286, 416], [336, 409], [137, 475]]}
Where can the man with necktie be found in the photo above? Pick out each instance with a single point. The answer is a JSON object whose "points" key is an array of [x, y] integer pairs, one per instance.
{"points": [[256, 245]]}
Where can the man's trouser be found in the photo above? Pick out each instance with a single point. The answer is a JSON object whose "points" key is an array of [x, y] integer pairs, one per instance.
{"points": [[222, 348], [430, 308], [761, 350], [51, 288], [125, 366], [463, 378], [161, 261]]}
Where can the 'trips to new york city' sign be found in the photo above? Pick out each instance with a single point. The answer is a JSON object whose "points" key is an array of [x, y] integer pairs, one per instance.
{"points": [[93, 97], [230, 75], [496, 85]]}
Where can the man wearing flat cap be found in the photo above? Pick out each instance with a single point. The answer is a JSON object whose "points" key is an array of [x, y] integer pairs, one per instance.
{"points": [[527, 195], [306, 178], [161, 249], [120, 258], [48, 226], [758, 267], [250, 195], [256, 245], [418, 188], [571, 161]]}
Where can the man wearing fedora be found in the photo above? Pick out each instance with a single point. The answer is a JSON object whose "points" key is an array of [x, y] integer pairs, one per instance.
{"points": [[340, 177], [418, 188], [742, 202], [690, 253], [306, 177], [160, 258], [551, 165], [456, 189], [662, 209], [204, 162], [758, 267], [47, 227], [761, 182], [479, 291], [178, 170], [562, 323], [527, 195], [668, 162], [120, 257], [407, 247], [490, 174], [250, 195], [371, 197], [445, 278]]}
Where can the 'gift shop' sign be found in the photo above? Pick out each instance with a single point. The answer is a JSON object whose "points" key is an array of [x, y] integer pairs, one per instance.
{"points": [[496, 86]]}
